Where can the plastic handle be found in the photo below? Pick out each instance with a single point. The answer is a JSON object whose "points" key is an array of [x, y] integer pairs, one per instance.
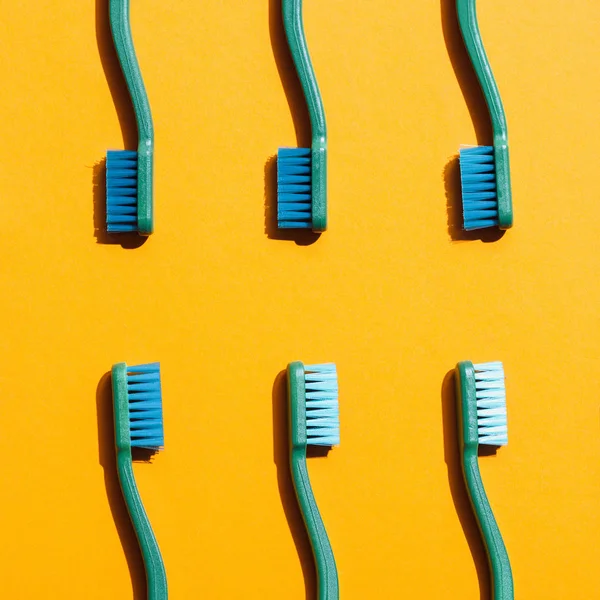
{"points": [[123, 41], [327, 579], [502, 581], [155, 571], [294, 31], [467, 20]]}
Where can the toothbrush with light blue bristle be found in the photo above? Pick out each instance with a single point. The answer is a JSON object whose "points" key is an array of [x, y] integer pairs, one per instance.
{"points": [[314, 421], [137, 400], [302, 172], [484, 170], [129, 173], [481, 397]]}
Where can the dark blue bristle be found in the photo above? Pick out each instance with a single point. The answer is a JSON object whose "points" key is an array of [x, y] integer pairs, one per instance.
{"points": [[478, 182], [294, 199], [145, 406], [121, 191]]}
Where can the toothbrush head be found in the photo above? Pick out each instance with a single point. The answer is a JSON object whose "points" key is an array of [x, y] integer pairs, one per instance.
{"points": [[137, 401], [481, 397], [485, 187], [313, 400]]}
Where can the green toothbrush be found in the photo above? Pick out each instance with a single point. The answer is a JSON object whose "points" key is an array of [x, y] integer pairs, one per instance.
{"points": [[314, 421], [137, 402], [482, 420], [484, 170], [129, 198], [302, 172]]}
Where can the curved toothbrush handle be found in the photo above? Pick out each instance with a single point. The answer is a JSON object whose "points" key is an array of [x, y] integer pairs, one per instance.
{"points": [[502, 581], [327, 578], [153, 563], [467, 20], [294, 31], [123, 41]]}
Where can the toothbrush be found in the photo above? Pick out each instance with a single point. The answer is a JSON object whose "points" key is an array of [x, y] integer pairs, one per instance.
{"points": [[139, 424], [314, 421], [484, 170], [129, 203], [302, 172], [482, 420]]}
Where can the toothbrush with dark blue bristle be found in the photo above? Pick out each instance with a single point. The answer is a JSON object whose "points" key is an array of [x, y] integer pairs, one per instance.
{"points": [[484, 170], [302, 172], [129, 173]]}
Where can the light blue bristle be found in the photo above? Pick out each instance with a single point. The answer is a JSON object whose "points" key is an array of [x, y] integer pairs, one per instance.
{"points": [[492, 425], [294, 199], [121, 191], [145, 406], [322, 411], [478, 183]]}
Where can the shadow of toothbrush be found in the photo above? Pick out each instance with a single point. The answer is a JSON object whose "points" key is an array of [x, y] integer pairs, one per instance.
{"points": [[124, 108], [299, 112], [281, 455], [108, 461], [457, 486], [471, 91]]}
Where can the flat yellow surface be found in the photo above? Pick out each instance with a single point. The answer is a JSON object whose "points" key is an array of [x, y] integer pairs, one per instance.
{"points": [[385, 293]]}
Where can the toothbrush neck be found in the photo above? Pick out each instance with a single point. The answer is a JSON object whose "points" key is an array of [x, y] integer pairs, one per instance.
{"points": [[500, 570]]}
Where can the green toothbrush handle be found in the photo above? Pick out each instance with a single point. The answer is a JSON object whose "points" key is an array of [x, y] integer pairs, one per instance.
{"points": [[502, 581], [327, 578], [294, 31], [155, 569], [123, 41], [467, 20]]}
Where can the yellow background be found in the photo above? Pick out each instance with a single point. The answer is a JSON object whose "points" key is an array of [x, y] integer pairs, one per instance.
{"points": [[385, 293]]}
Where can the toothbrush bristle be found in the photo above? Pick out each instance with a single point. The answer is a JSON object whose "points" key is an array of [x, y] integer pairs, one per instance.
{"points": [[492, 426], [121, 191], [322, 410], [478, 183], [294, 199], [145, 406]]}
